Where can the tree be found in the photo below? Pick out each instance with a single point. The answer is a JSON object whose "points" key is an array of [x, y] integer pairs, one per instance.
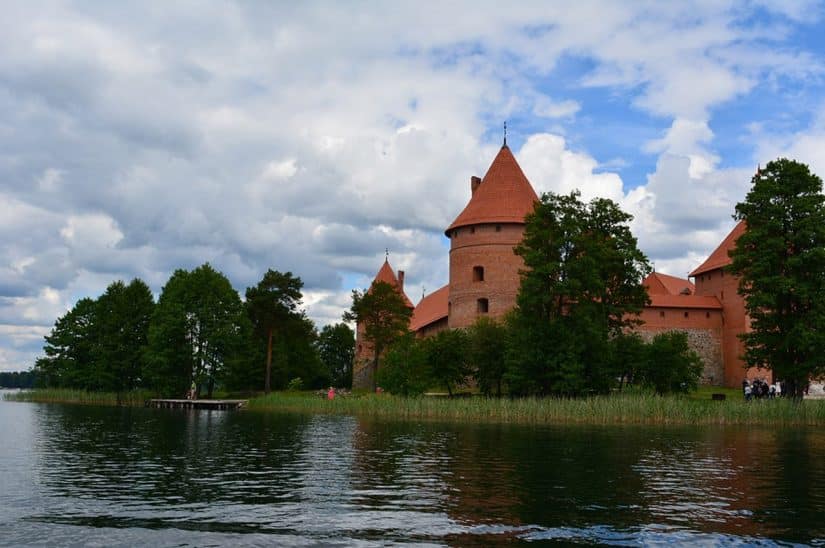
{"points": [[384, 315], [486, 354], [582, 285], [671, 366], [270, 305], [405, 370], [122, 329], [336, 346], [70, 349], [196, 333], [780, 262], [446, 353]]}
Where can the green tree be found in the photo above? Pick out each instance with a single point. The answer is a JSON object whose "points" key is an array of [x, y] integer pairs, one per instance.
{"points": [[671, 366], [486, 354], [70, 349], [196, 333], [446, 353], [628, 353], [122, 328], [581, 286], [384, 315], [780, 261], [271, 305], [336, 346], [405, 370]]}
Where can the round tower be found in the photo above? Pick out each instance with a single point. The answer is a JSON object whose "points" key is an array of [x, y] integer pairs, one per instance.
{"points": [[484, 270]]}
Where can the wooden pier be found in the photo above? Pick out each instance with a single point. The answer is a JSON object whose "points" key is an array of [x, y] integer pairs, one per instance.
{"points": [[217, 405]]}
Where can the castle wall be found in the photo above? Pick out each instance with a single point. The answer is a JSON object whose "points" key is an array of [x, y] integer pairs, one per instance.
{"points": [[703, 328], [724, 287], [361, 367], [489, 246]]}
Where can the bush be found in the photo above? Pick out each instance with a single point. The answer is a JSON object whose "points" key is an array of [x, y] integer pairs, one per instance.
{"points": [[671, 366], [295, 384], [404, 370]]}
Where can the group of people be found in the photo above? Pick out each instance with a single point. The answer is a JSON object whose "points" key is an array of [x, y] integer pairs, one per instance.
{"points": [[759, 388]]}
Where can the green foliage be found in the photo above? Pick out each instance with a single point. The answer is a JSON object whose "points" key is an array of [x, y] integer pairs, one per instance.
{"points": [[405, 370], [780, 261], [581, 286], [486, 351], [628, 357], [99, 344], [446, 353], [17, 379], [272, 306], [671, 366], [295, 384], [121, 329], [336, 346], [196, 332], [70, 349], [384, 315]]}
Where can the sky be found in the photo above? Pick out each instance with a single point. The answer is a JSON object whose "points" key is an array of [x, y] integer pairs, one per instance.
{"points": [[141, 137]]}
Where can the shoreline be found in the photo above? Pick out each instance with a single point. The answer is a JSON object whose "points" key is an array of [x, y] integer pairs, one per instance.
{"points": [[626, 409]]}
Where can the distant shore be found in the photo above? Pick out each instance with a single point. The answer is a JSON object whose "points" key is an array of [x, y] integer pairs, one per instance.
{"points": [[627, 408]]}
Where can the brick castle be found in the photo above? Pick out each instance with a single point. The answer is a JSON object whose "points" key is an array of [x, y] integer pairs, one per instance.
{"points": [[484, 280]]}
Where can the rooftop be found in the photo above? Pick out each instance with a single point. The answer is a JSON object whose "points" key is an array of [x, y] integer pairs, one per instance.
{"points": [[431, 308], [504, 195], [720, 256]]}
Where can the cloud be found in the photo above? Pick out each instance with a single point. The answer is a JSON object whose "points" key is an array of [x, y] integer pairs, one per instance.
{"points": [[139, 138]]}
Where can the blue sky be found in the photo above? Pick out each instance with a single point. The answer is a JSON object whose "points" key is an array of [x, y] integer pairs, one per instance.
{"points": [[136, 138]]}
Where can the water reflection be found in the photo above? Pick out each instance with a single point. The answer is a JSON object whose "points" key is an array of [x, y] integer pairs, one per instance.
{"points": [[136, 476]]}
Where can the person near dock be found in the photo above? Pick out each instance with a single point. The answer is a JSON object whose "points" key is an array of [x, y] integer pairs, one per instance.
{"points": [[747, 392], [331, 393], [193, 391]]}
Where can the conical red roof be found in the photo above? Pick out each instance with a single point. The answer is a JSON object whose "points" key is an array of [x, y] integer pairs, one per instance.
{"points": [[720, 258], [504, 195], [386, 275]]}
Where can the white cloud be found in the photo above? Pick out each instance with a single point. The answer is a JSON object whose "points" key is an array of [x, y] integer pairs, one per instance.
{"points": [[310, 137]]}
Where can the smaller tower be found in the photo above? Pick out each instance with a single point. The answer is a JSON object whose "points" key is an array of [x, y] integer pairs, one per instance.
{"points": [[361, 372]]}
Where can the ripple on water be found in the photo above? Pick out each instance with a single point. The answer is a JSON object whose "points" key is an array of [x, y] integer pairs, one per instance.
{"points": [[143, 476]]}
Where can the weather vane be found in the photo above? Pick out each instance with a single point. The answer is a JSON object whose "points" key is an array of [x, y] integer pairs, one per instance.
{"points": [[505, 132], [387, 253]]}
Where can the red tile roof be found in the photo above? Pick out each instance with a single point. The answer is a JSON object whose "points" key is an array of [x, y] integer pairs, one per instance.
{"points": [[720, 258], [663, 284], [684, 301], [386, 275], [504, 195], [431, 308]]}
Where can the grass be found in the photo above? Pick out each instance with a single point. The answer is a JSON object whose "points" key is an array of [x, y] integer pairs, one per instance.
{"points": [[633, 407], [135, 398], [627, 408]]}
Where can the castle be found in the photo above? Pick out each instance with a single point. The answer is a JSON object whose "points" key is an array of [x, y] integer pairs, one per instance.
{"points": [[484, 281]]}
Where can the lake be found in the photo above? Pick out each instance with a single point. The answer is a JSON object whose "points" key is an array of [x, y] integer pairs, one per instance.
{"points": [[108, 476]]}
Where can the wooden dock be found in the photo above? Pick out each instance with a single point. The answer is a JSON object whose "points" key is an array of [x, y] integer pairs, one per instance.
{"points": [[217, 405]]}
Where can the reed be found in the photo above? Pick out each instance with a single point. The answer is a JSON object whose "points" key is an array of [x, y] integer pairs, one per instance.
{"points": [[631, 408], [135, 398]]}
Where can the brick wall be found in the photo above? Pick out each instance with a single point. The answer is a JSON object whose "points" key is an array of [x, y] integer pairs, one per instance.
{"points": [[489, 246]]}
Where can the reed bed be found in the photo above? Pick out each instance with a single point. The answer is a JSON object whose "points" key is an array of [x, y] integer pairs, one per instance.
{"points": [[135, 398], [635, 408]]}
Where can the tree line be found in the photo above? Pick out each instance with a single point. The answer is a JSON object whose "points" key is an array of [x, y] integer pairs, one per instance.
{"points": [[17, 379], [199, 331]]}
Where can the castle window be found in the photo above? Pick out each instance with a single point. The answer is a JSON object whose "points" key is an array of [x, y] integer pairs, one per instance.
{"points": [[449, 307], [661, 313], [686, 314], [482, 305], [722, 296], [707, 314], [478, 273], [498, 228], [472, 230]]}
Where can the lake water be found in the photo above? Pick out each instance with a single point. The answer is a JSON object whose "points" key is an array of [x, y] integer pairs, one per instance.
{"points": [[107, 476]]}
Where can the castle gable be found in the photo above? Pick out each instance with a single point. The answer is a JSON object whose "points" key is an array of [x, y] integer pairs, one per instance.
{"points": [[720, 257]]}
